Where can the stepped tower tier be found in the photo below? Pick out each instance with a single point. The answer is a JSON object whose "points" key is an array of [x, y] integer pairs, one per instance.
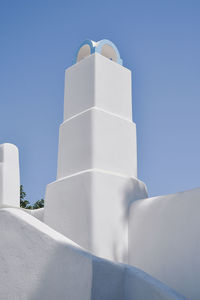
{"points": [[97, 131], [97, 155]]}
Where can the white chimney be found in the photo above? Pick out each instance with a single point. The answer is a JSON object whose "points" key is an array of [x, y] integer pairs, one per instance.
{"points": [[97, 157]]}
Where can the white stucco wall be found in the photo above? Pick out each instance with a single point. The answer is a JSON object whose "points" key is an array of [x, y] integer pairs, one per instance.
{"points": [[37, 213], [9, 176], [164, 240], [91, 208], [37, 263]]}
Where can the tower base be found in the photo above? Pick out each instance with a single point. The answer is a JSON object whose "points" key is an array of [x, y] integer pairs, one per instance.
{"points": [[91, 208]]}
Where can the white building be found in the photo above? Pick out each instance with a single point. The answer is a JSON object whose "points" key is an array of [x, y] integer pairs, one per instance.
{"points": [[97, 214]]}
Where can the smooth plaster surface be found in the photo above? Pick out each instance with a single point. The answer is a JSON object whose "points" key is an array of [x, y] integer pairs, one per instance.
{"points": [[98, 81], [97, 159], [164, 240], [9, 175], [37, 213], [37, 263], [97, 139], [91, 208]]}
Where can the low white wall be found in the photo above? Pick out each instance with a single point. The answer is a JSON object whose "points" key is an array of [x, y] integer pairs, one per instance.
{"points": [[37, 213], [164, 240], [9, 176], [37, 263]]}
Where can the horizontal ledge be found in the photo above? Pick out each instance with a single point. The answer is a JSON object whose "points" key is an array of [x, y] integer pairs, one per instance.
{"points": [[93, 108], [98, 171]]}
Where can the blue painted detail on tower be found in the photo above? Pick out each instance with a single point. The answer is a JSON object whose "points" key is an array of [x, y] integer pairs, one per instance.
{"points": [[103, 47]]}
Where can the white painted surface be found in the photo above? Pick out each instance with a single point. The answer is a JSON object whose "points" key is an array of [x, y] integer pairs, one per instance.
{"points": [[89, 203], [37, 213], [164, 240], [96, 139], [91, 208], [39, 263], [98, 81], [9, 175], [97, 159]]}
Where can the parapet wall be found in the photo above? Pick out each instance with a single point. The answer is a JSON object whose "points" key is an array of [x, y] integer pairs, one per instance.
{"points": [[164, 240]]}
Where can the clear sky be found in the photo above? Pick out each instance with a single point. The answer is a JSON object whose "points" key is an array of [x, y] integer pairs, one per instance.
{"points": [[158, 40]]}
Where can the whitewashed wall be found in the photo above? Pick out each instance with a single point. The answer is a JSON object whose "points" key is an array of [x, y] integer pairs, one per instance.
{"points": [[9, 176], [164, 240], [39, 263], [37, 213]]}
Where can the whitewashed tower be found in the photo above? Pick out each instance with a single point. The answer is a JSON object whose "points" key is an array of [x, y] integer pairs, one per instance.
{"points": [[97, 157]]}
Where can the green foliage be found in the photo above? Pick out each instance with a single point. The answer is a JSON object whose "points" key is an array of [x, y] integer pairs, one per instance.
{"points": [[38, 204], [26, 204], [23, 203]]}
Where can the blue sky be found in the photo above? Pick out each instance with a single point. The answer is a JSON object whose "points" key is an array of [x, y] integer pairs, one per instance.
{"points": [[158, 40]]}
